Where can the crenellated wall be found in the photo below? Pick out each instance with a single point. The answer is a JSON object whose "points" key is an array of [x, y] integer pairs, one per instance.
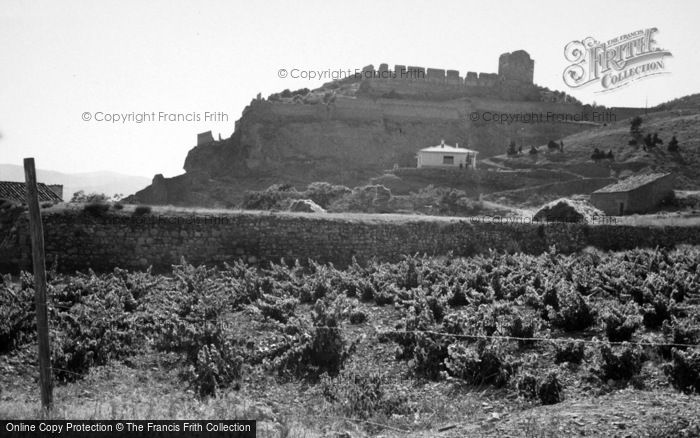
{"points": [[517, 67], [514, 80]]}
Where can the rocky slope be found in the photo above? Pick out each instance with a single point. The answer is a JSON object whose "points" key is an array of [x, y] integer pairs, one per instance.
{"points": [[346, 134], [679, 118]]}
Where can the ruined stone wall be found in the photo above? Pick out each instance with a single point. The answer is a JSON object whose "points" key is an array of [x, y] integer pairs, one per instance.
{"points": [[77, 241], [517, 67]]}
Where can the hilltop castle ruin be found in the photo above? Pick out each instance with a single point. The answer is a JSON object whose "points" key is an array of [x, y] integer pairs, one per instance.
{"points": [[514, 81], [514, 68]]}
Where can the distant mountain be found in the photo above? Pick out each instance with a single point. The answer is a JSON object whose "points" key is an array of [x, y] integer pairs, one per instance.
{"points": [[106, 182]]}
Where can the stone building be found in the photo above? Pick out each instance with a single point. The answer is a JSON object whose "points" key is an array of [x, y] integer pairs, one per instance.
{"points": [[636, 194], [516, 66], [205, 138], [444, 155]]}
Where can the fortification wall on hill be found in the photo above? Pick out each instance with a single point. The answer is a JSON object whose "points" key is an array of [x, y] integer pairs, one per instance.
{"points": [[78, 241], [401, 109], [415, 109], [440, 91]]}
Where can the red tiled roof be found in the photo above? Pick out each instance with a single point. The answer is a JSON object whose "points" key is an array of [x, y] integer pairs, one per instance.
{"points": [[17, 191]]}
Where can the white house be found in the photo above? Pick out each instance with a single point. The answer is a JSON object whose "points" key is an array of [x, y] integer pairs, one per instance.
{"points": [[444, 155]]}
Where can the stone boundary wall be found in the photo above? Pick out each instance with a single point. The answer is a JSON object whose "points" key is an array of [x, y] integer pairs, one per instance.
{"points": [[78, 241]]}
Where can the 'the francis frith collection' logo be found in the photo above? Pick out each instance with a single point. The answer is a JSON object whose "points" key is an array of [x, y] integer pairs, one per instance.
{"points": [[616, 62]]}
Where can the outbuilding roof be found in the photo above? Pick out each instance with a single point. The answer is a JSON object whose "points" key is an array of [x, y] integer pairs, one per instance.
{"points": [[17, 191], [632, 183]]}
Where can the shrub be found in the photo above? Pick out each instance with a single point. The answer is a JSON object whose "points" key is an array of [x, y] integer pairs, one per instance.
{"points": [[635, 125], [684, 371], [318, 349], [480, 364], [673, 145], [323, 193], [189, 321], [419, 320], [572, 351], [527, 386], [620, 365], [456, 322], [315, 289], [550, 301], [549, 389], [438, 306], [429, 354], [358, 316], [214, 369], [599, 155], [366, 290], [92, 325], [521, 327], [81, 196], [279, 309], [679, 332], [269, 198], [96, 208], [386, 295], [574, 312], [512, 148], [620, 322], [17, 316], [458, 296], [655, 312], [142, 210]]}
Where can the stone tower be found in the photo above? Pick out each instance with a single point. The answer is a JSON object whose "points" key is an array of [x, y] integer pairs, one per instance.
{"points": [[516, 66]]}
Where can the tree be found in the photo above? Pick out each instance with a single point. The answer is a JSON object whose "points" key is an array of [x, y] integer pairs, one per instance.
{"points": [[673, 145], [598, 155], [512, 149], [635, 125], [610, 155], [81, 197]]}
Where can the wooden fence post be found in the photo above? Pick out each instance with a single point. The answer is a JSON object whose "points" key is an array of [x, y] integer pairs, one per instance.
{"points": [[37, 234]]}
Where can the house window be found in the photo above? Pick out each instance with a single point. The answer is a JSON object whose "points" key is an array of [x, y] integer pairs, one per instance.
{"points": [[448, 159]]}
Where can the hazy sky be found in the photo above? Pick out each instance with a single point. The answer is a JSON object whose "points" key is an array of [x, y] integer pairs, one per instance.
{"points": [[62, 59]]}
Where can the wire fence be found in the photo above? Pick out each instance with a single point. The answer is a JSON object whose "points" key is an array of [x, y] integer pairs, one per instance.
{"points": [[455, 429], [553, 340]]}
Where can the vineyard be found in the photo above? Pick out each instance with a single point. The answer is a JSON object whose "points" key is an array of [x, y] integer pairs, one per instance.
{"points": [[381, 345]]}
